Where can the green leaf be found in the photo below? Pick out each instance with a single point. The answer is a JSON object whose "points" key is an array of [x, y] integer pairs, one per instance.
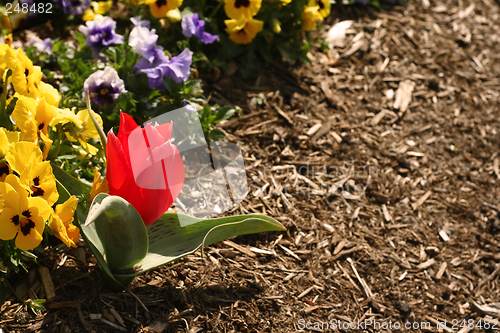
{"points": [[224, 113], [216, 134], [121, 231], [168, 241], [70, 183]]}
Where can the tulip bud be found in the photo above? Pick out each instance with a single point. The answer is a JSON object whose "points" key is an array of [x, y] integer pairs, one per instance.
{"points": [[276, 25], [174, 15], [122, 232]]}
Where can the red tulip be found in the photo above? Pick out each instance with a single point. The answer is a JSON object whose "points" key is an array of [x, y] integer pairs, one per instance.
{"points": [[144, 167]]}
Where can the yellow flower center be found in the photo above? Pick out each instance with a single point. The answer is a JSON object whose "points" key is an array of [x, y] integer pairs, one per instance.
{"points": [[103, 91]]}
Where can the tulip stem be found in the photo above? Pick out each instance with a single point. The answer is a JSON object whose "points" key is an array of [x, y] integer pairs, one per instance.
{"points": [[98, 127]]}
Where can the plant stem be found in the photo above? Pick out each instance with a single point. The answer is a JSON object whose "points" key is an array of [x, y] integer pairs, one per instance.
{"points": [[214, 12]]}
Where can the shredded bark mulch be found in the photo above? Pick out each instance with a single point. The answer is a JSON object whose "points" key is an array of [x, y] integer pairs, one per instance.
{"points": [[382, 160]]}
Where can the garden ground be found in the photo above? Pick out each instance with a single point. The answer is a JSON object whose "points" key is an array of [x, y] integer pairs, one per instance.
{"points": [[382, 160]]}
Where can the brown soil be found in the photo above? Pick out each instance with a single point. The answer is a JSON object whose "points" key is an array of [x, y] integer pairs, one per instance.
{"points": [[392, 208]]}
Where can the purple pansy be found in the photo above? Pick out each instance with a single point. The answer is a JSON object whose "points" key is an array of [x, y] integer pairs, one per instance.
{"points": [[143, 41], [104, 86], [75, 7], [136, 21], [41, 45], [188, 107], [178, 68], [192, 25], [100, 33]]}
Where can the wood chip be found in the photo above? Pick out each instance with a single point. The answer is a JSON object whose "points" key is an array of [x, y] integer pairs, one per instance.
{"points": [[440, 273], [421, 200], [342, 253], [240, 248], [426, 264], [290, 252], [314, 129], [348, 277], [117, 316], [328, 227], [261, 251], [115, 326], [283, 114], [48, 285], [496, 168], [305, 292], [403, 95], [339, 247], [365, 286], [375, 120], [444, 236], [387, 216], [485, 310], [336, 137]]}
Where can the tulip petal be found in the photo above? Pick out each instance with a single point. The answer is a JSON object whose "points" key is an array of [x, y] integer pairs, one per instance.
{"points": [[175, 173], [127, 125], [118, 167]]}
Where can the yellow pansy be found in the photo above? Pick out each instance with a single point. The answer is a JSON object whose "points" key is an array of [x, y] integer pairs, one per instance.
{"points": [[310, 15], [50, 94], [21, 154], [24, 115], [33, 117], [60, 222], [5, 170], [41, 182], [22, 217], [174, 15], [3, 65], [88, 128], [97, 8], [324, 6], [6, 139], [25, 77], [98, 186], [159, 8], [242, 9], [65, 116], [83, 127], [243, 31], [44, 115]]}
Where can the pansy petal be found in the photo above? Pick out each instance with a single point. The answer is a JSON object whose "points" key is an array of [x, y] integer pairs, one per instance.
{"points": [[29, 240], [59, 230], [8, 227], [40, 208], [22, 153]]}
